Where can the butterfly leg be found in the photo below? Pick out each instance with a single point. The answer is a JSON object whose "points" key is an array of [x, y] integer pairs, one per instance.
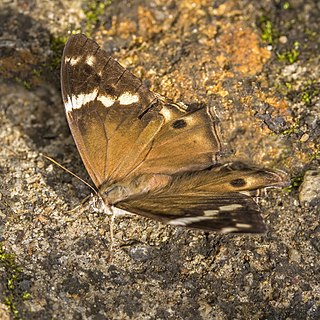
{"points": [[111, 234]]}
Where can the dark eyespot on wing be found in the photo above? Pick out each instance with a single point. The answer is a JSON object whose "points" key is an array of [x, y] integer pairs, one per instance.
{"points": [[179, 124], [237, 183]]}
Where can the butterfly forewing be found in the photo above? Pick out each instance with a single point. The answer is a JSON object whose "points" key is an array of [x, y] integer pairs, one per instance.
{"points": [[101, 115]]}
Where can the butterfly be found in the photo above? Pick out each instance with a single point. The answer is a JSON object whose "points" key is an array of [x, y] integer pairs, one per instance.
{"points": [[151, 156]]}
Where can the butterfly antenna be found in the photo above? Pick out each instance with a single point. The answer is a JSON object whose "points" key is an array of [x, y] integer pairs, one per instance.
{"points": [[67, 170]]}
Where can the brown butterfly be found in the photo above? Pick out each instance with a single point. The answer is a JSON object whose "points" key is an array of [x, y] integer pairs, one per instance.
{"points": [[150, 156]]}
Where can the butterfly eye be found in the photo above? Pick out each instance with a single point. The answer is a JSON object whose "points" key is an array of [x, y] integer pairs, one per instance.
{"points": [[179, 124], [237, 183]]}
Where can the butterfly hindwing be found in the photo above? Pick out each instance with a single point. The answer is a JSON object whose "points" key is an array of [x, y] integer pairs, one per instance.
{"points": [[225, 213], [219, 199]]}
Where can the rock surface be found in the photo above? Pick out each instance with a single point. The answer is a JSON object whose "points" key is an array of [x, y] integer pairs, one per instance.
{"points": [[258, 63], [310, 188]]}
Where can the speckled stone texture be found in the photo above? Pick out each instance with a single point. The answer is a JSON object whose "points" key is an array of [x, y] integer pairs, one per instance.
{"points": [[56, 263]]}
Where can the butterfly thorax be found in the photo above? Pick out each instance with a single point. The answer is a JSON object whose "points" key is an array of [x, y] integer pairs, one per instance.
{"points": [[112, 193]]}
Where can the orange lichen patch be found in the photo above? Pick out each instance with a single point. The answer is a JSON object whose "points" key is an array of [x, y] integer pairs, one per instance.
{"points": [[126, 28], [210, 64], [147, 23], [145, 26], [297, 157], [314, 147], [191, 4], [227, 9], [192, 16], [247, 101], [209, 31], [281, 105], [111, 31], [174, 84], [241, 46], [222, 60], [217, 89]]}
